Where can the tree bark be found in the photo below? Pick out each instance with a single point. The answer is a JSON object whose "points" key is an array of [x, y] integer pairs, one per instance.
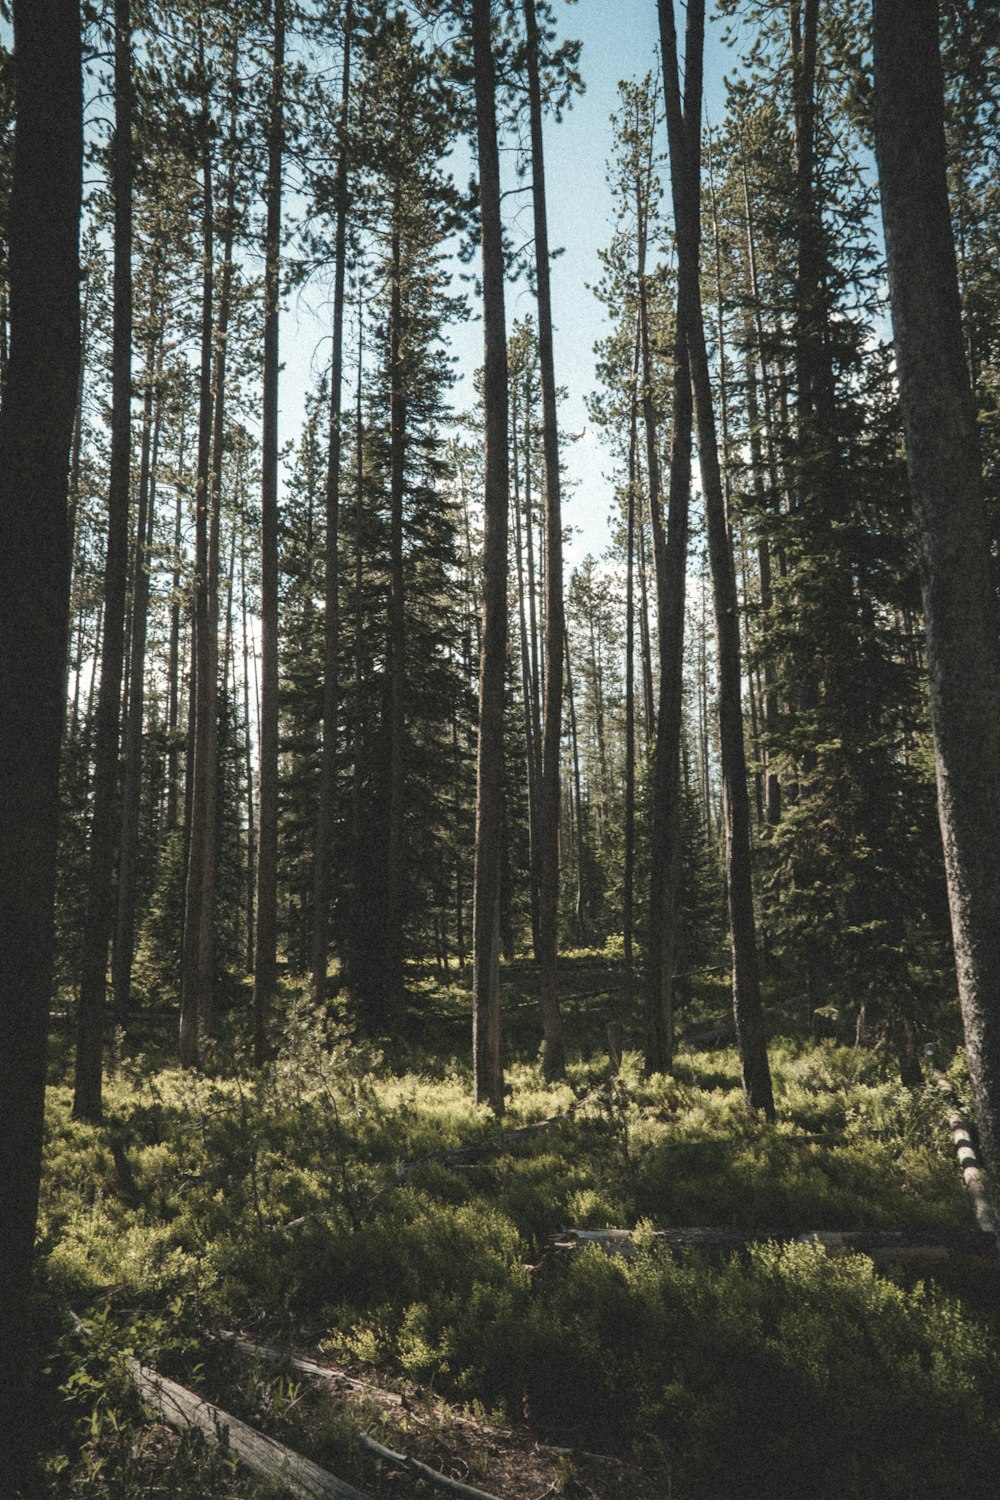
{"points": [[945, 480], [322, 853], [124, 942], [36, 423], [200, 765], [486, 1021], [104, 824], [554, 1056], [266, 951]]}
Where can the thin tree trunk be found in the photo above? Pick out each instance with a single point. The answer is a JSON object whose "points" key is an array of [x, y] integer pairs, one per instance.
{"points": [[391, 1000], [251, 866], [943, 459], [684, 132], [578, 906], [266, 951], [124, 942], [104, 825], [322, 851], [526, 693], [554, 1056], [486, 1019], [36, 423], [200, 766], [173, 649]]}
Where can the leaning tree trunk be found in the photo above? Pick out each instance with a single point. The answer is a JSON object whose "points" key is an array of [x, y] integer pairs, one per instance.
{"points": [[36, 423], [104, 819], [684, 133], [266, 952], [554, 1056], [487, 1063], [943, 460]]}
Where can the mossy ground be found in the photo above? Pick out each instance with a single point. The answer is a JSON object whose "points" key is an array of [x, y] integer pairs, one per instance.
{"points": [[307, 1205]]}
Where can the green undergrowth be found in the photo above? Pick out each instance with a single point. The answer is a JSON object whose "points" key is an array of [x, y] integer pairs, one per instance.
{"points": [[310, 1204]]}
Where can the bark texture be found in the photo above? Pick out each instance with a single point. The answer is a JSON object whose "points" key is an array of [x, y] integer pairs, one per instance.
{"points": [[487, 1061], [945, 481], [36, 421]]}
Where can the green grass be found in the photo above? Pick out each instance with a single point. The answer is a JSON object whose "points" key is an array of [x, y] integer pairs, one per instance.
{"points": [[305, 1203]]}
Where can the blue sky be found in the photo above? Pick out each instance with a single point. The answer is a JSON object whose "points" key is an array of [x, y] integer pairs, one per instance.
{"points": [[620, 40]]}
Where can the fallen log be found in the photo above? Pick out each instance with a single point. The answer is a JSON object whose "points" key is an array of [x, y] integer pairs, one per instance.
{"points": [[182, 1409], [968, 1161], [902, 1247], [271, 1355], [421, 1471]]}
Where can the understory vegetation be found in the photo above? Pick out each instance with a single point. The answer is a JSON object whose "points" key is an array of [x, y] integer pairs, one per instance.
{"points": [[374, 1217]]}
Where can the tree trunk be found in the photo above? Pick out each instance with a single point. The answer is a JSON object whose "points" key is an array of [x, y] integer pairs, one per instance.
{"points": [[104, 824], [391, 1000], [124, 943], [36, 423], [527, 690], [579, 906], [266, 952], [173, 648], [684, 132], [486, 1023], [200, 764], [322, 853], [554, 1056], [943, 459]]}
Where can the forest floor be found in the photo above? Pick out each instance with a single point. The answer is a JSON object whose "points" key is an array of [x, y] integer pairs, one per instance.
{"points": [[356, 1210]]}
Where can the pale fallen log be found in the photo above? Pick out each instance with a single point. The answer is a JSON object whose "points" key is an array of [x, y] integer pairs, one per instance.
{"points": [[902, 1247], [276, 1463], [421, 1471], [968, 1161], [271, 1355]]}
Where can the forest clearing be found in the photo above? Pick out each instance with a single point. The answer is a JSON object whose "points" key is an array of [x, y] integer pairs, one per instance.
{"points": [[499, 749], [375, 1221]]}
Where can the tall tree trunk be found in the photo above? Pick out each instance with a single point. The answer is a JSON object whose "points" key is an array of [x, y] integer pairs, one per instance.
{"points": [[200, 762], [266, 952], [206, 757], [36, 423], [766, 494], [104, 824], [322, 852], [554, 1056], [684, 133], [486, 1020], [174, 646], [527, 690], [628, 874], [579, 908], [251, 865], [943, 459], [392, 936], [128, 857]]}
